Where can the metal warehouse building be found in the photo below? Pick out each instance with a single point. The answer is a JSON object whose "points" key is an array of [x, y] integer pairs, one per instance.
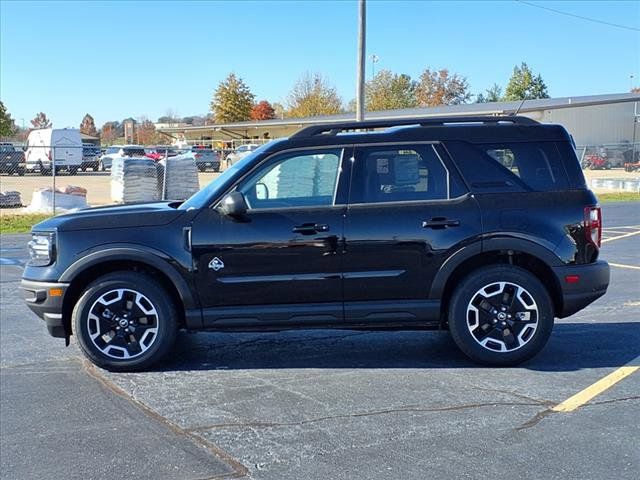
{"points": [[593, 120]]}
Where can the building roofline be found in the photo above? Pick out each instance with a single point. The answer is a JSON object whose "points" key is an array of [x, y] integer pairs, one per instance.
{"points": [[475, 109]]}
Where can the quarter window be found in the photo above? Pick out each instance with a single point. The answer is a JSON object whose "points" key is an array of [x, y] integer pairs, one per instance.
{"points": [[397, 174], [300, 179]]}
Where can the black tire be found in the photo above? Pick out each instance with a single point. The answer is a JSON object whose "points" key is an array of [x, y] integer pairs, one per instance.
{"points": [[164, 321], [21, 172], [73, 170], [523, 345]]}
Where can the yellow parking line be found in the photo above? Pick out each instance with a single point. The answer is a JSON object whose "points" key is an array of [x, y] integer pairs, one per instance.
{"points": [[631, 234], [594, 390], [620, 265]]}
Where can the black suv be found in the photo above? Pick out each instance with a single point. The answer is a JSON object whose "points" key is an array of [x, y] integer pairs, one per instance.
{"points": [[480, 225]]}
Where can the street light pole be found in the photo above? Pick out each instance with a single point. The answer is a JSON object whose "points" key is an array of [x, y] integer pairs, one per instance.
{"points": [[362, 20]]}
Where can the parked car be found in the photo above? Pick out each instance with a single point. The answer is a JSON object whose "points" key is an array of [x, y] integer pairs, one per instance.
{"points": [[207, 158], [49, 146], [240, 152], [112, 152], [12, 159], [480, 225], [90, 157]]}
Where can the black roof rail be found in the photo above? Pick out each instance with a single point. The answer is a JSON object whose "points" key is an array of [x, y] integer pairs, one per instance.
{"points": [[337, 127]]}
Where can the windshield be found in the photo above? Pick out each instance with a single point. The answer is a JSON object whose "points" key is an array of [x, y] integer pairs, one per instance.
{"points": [[218, 184]]}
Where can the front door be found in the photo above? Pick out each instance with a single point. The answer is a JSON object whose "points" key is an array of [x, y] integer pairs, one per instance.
{"points": [[407, 213], [281, 262]]}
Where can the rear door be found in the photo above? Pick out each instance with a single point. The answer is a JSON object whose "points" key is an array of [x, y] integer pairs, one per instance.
{"points": [[408, 211]]}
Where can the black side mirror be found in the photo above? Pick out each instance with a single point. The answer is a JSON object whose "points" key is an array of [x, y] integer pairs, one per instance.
{"points": [[234, 205]]}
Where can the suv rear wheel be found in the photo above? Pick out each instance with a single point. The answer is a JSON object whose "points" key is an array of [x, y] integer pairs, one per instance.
{"points": [[501, 315], [125, 321]]}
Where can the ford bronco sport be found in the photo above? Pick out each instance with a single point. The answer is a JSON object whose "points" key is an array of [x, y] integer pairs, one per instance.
{"points": [[480, 225]]}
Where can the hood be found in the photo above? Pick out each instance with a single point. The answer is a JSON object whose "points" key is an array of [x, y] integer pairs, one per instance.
{"points": [[115, 216]]}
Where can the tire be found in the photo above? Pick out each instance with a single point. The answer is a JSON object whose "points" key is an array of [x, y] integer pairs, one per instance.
{"points": [[523, 327], [133, 297], [73, 170], [21, 172]]}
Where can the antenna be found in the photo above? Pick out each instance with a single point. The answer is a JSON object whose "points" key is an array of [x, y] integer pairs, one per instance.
{"points": [[519, 107]]}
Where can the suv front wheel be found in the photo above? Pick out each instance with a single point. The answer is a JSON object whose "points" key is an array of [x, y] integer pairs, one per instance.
{"points": [[501, 315], [125, 321]]}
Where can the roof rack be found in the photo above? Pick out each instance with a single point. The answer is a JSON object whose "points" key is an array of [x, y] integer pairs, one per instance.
{"points": [[335, 128]]}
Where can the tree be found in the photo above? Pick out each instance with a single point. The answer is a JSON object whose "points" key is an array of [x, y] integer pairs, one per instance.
{"points": [[523, 85], [232, 100], [635, 90], [441, 88], [278, 110], [145, 131], [88, 126], [109, 132], [312, 95], [7, 125], [493, 94], [41, 121], [262, 111], [388, 91]]}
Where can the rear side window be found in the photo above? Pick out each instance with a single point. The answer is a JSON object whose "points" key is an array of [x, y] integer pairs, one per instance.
{"points": [[537, 164], [398, 173]]}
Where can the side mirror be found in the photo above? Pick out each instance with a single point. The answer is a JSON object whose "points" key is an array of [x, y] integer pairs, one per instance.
{"points": [[234, 205]]}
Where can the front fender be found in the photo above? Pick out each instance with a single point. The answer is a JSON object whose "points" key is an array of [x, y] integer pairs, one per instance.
{"points": [[135, 253]]}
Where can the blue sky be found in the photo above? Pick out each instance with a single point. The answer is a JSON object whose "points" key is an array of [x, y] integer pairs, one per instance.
{"points": [[119, 59]]}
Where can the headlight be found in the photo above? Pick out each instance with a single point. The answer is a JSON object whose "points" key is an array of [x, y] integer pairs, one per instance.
{"points": [[41, 249]]}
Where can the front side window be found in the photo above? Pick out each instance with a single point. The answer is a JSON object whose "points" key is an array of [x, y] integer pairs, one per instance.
{"points": [[300, 179], [398, 173]]}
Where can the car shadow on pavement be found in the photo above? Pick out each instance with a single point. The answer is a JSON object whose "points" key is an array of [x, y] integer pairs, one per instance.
{"points": [[573, 346]]}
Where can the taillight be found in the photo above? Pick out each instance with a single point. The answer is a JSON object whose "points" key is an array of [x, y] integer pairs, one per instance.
{"points": [[49, 155], [593, 225]]}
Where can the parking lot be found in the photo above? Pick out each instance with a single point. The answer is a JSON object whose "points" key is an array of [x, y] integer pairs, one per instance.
{"points": [[331, 404]]}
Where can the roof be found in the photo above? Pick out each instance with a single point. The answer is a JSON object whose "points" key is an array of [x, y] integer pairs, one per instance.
{"points": [[492, 108]]}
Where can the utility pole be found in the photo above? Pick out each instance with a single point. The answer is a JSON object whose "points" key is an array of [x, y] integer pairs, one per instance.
{"points": [[362, 21]]}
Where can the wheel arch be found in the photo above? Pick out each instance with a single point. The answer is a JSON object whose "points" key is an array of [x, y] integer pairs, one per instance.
{"points": [[96, 264], [532, 257]]}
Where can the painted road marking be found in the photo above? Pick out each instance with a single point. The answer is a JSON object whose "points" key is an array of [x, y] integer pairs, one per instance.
{"points": [[580, 398], [630, 234], [620, 265]]}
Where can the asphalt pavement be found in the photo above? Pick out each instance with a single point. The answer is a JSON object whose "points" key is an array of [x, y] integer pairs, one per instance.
{"points": [[328, 404]]}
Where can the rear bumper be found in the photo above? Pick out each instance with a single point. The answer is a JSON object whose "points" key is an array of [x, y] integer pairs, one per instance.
{"points": [[592, 284], [37, 296]]}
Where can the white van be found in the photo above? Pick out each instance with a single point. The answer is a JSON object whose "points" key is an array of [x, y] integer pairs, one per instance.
{"points": [[45, 146]]}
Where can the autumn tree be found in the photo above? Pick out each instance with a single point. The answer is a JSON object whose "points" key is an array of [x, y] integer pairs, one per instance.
{"points": [[109, 132], [312, 95], [279, 110], [389, 91], [493, 94], [635, 90], [88, 126], [7, 125], [232, 100], [441, 88], [524, 85], [145, 131], [262, 111], [41, 121]]}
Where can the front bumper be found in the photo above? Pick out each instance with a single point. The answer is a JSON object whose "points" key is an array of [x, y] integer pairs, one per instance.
{"points": [[592, 283], [45, 300]]}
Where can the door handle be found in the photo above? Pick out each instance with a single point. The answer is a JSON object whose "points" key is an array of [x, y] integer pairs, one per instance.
{"points": [[440, 222], [310, 228]]}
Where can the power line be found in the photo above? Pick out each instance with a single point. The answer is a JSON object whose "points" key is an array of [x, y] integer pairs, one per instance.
{"points": [[594, 20]]}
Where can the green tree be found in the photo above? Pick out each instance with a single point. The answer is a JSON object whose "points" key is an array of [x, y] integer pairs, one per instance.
{"points": [[88, 126], [7, 125], [524, 85], [312, 95], [441, 88], [389, 91], [493, 94], [232, 101], [41, 121]]}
